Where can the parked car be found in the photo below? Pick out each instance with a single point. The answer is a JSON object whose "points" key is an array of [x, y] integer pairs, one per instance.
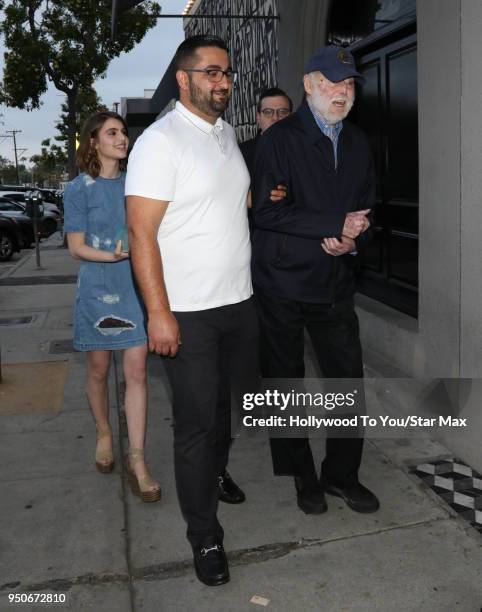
{"points": [[48, 194], [10, 238], [24, 222], [20, 197], [48, 224]]}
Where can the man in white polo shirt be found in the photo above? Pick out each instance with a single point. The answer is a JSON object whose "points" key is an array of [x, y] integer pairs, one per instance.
{"points": [[187, 186]]}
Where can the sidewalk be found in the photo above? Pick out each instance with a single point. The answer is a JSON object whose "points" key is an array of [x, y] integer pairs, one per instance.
{"points": [[66, 529]]}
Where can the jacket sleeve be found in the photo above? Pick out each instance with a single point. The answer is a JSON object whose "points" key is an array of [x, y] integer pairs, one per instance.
{"points": [[289, 215]]}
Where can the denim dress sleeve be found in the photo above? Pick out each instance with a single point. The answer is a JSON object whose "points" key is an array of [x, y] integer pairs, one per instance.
{"points": [[109, 313], [75, 210]]}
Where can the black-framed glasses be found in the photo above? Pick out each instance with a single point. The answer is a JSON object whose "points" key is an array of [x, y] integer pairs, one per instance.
{"points": [[215, 75], [279, 112]]}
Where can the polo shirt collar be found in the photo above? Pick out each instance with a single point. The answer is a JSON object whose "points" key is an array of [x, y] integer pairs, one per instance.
{"points": [[200, 123]]}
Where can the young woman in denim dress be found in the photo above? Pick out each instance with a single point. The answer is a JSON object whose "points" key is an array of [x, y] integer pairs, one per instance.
{"points": [[108, 311]]}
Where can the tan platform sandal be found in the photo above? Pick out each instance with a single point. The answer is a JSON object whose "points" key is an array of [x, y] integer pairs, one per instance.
{"points": [[146, 488], [104, 460]]}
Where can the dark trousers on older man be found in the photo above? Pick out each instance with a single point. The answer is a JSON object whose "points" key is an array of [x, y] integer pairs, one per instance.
{"points": [[217, 361], [334, 332]]}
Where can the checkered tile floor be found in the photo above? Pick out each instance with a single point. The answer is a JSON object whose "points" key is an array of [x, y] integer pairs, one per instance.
{"points": [[457, 484]]}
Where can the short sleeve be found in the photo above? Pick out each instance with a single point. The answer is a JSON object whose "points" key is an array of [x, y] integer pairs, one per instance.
{"points": [[151, 172], [75, 210]]}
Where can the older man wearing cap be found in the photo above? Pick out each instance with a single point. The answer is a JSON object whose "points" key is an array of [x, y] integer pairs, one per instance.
{"points": [[303, 253]]}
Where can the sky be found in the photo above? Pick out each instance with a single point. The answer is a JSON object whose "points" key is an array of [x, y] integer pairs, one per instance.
{"points": [[127, 76]]}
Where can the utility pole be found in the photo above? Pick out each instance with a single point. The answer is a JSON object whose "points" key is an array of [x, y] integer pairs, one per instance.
{"points": [[116, 107], [13, 132], [13, 135]]}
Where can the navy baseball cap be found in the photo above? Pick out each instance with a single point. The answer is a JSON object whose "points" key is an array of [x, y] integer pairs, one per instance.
{"points": [[335, 63]]}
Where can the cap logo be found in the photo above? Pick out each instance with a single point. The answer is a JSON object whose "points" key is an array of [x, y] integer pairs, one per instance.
{"points": [[344, 57]]}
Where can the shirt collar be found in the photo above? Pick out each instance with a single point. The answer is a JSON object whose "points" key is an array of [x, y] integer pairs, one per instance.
{"points": [[329, 130], [200, 123]]}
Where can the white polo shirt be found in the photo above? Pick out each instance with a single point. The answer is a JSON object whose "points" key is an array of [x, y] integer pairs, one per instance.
{"points": [[204, 237]]}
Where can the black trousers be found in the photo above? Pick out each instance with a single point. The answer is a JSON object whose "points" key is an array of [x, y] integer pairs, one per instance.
{"points": [[218, 360], [334, 332]]}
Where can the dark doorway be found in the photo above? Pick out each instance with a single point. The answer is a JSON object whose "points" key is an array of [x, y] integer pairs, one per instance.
{"points": [[387, 110], [382, 36]]}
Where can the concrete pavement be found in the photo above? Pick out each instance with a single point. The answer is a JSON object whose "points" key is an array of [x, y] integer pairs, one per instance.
{"points": [[66, 529]]}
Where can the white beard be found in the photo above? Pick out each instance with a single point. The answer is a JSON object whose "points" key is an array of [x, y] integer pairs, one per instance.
{"points": [[322, 105]]}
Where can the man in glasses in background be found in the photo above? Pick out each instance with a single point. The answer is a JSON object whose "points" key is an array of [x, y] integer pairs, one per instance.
{"points": [[273, 104], [186, 203]]}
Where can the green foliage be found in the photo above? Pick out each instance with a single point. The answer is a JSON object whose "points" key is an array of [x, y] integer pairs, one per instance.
{"points": [[8, 172], [50, 166], [66, 42]]}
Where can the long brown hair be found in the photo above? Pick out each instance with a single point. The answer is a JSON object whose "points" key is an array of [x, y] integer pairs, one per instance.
{"points": [[87, 159]]}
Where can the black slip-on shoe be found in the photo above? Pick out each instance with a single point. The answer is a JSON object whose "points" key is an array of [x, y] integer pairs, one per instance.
{"points": [[210, 562], [229, 492], [310, 496], [357, 497]]}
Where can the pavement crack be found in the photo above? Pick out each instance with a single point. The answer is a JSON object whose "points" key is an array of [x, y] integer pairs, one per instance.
{"points": [[127, 541], [166, 571], [177, 569]]}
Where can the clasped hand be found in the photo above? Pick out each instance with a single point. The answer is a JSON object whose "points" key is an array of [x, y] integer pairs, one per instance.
{"points": [[355, 224]]}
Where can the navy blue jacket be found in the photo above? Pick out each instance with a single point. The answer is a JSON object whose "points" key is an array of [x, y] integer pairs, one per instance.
{"points": [[287, 256]]}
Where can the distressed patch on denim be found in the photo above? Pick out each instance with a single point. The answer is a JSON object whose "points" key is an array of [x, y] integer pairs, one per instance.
{"points": [[109, 298], [111, 325]]}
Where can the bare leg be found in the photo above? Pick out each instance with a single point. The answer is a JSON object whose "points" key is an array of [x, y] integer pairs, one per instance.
{"points": [[134, 363], [98, 363]]}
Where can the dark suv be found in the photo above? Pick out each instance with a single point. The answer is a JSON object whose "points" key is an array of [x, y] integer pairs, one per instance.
{"points": [[10, 238]]}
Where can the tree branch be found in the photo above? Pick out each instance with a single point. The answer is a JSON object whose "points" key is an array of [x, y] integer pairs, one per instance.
{"points": [[37, 34]]}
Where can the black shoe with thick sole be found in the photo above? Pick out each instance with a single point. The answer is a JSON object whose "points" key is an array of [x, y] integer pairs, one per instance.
{"points": [[210, 562], [310, 496], [229, 492], [357, 497]]}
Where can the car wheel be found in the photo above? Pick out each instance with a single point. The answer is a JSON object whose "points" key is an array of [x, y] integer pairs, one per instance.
{"points": [[48, 227], [6, 247]]}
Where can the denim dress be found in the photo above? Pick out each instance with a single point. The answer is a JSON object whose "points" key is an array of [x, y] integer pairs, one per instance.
{"points": [[109, 313]]}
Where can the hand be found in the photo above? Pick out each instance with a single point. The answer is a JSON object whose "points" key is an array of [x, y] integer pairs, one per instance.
{"points": [[356, 223], [278, 194], [163, 334], [118, 252], [334, 247]]}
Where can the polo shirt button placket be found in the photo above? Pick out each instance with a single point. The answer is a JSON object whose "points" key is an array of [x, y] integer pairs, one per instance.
{"points": [[217, 133]]}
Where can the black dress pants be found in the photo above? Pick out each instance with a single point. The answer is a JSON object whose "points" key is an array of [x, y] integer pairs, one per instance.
{"points": [[218, 359], [334, 332]]}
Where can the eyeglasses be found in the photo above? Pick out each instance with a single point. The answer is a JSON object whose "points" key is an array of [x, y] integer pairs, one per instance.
{"points": [[215, 75], [279, 112]]}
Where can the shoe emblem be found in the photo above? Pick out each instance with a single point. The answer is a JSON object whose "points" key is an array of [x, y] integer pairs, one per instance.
{"points": [[205, 551]]}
